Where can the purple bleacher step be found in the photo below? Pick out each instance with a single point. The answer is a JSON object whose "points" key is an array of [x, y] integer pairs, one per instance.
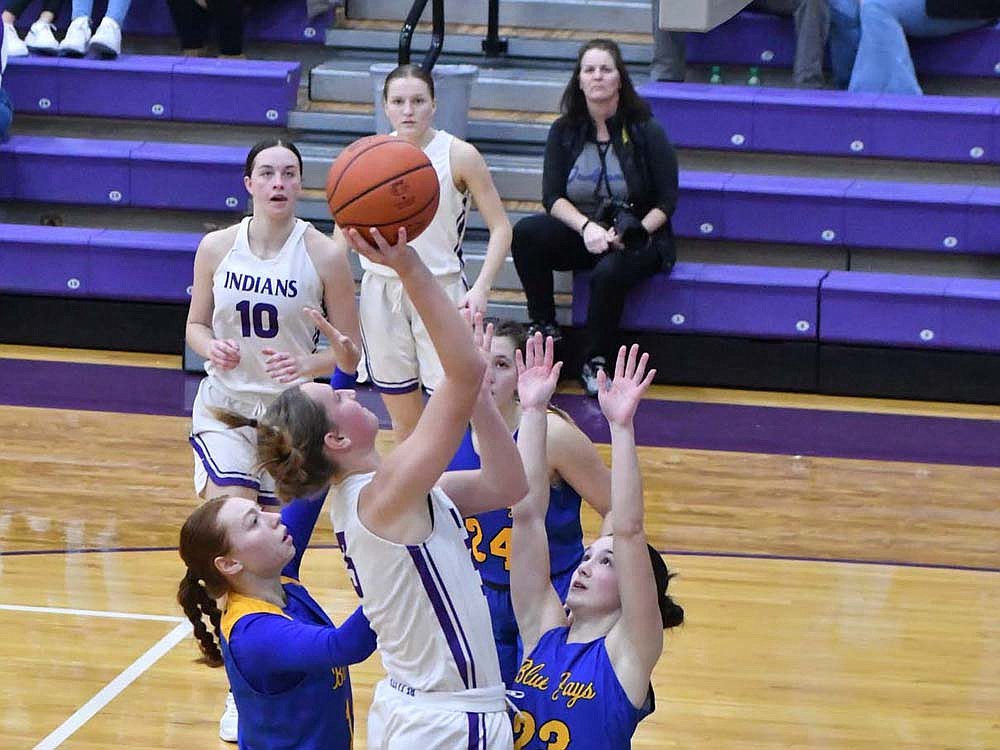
{"points": [[191, 176], [258, 92], [150, 266], [728, 300], [44, 260]]}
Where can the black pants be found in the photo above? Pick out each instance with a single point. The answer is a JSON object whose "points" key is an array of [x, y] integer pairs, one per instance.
{"points": [[16, 7], [543, 244], [194, 23]]}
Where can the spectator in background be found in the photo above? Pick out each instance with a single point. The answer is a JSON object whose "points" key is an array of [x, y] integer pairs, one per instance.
{"points": [[868, 47], [194, 20], [812, 26], [40, 37], [106, 41], [609, 187]]}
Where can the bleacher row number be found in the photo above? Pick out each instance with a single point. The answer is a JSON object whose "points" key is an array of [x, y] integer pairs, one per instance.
{"points": [[157, 109], [996, 68], [189, 290], [802, 326], [678, 319], [828, 235], [309, 32], [977, 152], [231, 202], [927, 335], [767, 55], [271, 114], [115, 196], [738, 139], [857, 146], [44, 103], [73, 283], [707, 228], [951, 241]]}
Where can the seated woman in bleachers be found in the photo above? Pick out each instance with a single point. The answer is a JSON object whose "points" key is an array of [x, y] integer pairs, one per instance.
{"points": [[609, 187], [195, 21], [868, 45]]}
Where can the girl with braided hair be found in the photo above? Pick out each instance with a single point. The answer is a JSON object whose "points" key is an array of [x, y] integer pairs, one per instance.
{"points": [[285, 659]]}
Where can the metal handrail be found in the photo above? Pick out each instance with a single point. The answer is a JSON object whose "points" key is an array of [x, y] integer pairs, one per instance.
{"points": [[493, 45], [437, 33]]}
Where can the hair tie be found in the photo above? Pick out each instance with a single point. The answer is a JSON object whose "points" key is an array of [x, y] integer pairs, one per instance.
{"points": [[252, 422]]}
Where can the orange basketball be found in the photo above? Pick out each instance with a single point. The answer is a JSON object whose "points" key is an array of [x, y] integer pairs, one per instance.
{"points": [[385, 182]]}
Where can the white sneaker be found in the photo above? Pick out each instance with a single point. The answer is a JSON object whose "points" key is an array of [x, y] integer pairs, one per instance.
{"points": [[230, 720], [74, 44], [107, 40], [15, 47], [40, 38]]}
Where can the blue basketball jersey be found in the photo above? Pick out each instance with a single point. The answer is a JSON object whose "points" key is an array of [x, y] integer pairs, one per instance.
{"points": [[310, 710], [568, 696], [489, 533]]}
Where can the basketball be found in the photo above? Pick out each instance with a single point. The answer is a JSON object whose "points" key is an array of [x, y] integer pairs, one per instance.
{"points": [[384, 182]]}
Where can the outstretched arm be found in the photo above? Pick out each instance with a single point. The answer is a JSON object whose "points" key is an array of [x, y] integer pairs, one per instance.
{"points": [[536, 605], [398, 491], [636, 640], [500, 480]]}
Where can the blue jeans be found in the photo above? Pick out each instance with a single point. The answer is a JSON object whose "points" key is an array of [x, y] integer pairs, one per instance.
{"points": [[117, 10], [6, 115], [868, 47]]}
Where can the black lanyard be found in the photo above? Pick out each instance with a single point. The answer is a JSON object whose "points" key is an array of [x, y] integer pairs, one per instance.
{"points": [[602, 152]]}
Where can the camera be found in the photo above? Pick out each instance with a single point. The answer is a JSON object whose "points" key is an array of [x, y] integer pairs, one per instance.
{"points": [[617, 213]]}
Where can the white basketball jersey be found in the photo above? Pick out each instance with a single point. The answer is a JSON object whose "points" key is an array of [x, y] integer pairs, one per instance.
{"points": [[424, 601], [259, 304], [440, 244]]}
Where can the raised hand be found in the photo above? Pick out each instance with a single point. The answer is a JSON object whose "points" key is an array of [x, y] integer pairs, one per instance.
{"points": [[396, 257], [619, 398], [224, 353], [343, 348], [537, 376], [482, 336]]}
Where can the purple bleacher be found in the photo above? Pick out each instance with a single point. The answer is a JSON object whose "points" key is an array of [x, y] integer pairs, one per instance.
{"points": [[984, 219], [157, 87], [883, 309], [33, 84], [703, 116], [906, 215], [746, 39], [257, 92], [699, 212], [812, 122], [972, 314], [191, 176], [286, 21], [759, 207], [934, 128], [72, 170], [725, 300], [150, 266], [137, 86], [660, 303], [971, 53], [44, 260]]}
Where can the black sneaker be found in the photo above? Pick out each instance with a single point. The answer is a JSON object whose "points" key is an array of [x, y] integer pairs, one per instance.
{"points": [[588, 376], [546, 328]]}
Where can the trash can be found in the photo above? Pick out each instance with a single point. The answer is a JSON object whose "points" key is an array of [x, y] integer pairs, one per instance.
{"points": [[452, 89]]}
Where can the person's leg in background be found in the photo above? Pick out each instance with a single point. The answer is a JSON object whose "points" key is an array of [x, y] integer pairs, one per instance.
{"points": [[191, 21], [812, 29], [884, 63], [542, 244], [228, 16], [614, 275], [845, 36], [669, 52]]}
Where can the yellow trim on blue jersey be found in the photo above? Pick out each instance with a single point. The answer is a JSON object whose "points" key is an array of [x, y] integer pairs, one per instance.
{"points": [[240, 606]]}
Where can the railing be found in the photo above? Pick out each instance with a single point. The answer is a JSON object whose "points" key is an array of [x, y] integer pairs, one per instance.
{"points": [[493, 45], [437, 33]]}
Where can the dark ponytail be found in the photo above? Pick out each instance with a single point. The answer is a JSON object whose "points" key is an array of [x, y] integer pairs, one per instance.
{"points": [[671, 613], [201, 541]]}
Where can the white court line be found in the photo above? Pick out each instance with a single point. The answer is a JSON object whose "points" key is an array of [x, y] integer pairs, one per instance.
{"points": [[89, 613], [86, 712]]}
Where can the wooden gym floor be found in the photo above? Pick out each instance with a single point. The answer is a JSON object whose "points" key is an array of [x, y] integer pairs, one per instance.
{"points": [[839, 565]]}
